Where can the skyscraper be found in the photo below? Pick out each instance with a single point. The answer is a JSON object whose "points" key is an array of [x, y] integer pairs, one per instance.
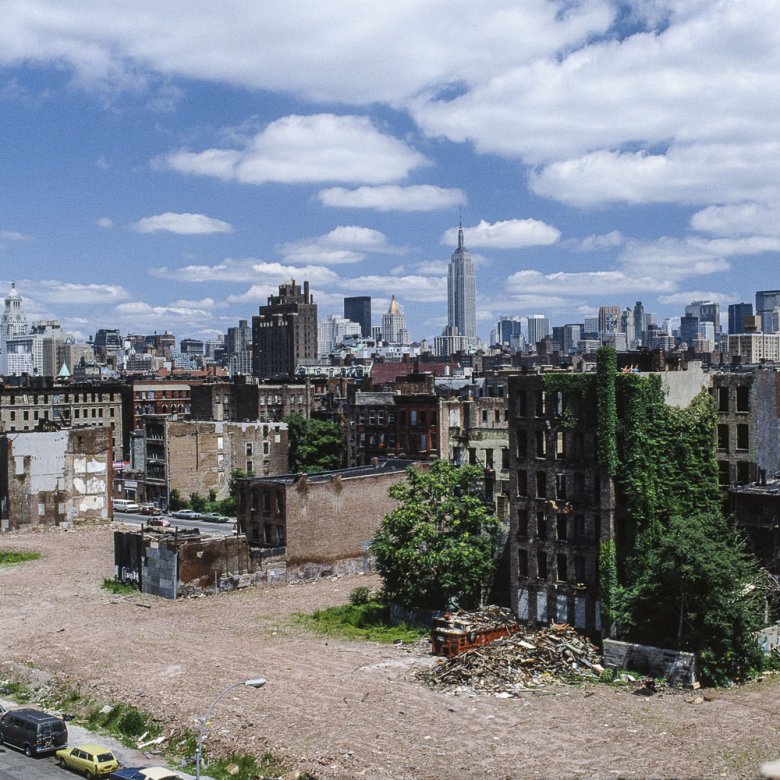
{"points": [[394, 325], [462, 293], [538, 329], [285, 332], [358, 309], [766, 300], [737, 314]]}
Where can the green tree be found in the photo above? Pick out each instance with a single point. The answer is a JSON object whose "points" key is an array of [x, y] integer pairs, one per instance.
{"points": [[315, 445], [692, 586], [175, 501], [441, 542], [197, 502]]}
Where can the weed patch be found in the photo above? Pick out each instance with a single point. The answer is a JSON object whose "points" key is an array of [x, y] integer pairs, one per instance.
{"points": [[118, 588], [9, 557], [369, 620]]}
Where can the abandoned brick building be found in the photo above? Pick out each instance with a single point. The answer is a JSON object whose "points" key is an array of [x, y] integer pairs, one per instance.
{"points": [[325, 522], [563, 499]]}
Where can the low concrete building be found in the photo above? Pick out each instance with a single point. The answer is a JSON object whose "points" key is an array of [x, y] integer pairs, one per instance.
{"points": [[52, 478], [322, 523]]}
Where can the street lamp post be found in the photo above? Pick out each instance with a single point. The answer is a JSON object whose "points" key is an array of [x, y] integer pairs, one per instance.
{"points": [[255, 682]]}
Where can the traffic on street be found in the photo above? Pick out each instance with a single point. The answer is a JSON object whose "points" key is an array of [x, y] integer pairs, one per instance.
{"points": [[202, 523]]}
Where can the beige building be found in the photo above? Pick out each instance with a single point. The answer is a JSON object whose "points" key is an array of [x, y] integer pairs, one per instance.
{"points": [[754, 347]]}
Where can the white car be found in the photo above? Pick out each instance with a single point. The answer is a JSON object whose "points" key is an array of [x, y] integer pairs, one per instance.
{"points": [[186, 514]]}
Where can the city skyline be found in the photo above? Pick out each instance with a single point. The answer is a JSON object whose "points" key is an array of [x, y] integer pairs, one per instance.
{"points": [[599, 153]]}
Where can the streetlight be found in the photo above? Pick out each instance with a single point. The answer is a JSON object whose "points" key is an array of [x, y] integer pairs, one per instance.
{"points": [[254, 682]]}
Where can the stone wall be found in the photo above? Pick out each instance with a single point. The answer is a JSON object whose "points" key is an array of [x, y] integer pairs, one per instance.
{"points": [[674, 665]]}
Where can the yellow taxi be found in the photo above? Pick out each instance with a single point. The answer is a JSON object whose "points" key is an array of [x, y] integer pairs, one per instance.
{"points": [[88, 759]]}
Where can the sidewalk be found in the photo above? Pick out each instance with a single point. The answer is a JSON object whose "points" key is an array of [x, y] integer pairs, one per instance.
{"points": [[126, 756]]}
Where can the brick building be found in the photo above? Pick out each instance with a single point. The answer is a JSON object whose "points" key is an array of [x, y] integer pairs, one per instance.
{"points": [[50, 478], [43, 403], [247, 400], [198, 456], [563, 501], [324, 522]]}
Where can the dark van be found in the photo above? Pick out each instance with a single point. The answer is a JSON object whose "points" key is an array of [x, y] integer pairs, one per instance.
{"points": [[33, 731]]}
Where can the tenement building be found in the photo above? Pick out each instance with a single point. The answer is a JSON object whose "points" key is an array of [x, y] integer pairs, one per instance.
{"points": [[563, 499]]}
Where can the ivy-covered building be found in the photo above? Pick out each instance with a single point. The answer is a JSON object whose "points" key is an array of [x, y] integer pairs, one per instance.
{"points": [[588, 452]]}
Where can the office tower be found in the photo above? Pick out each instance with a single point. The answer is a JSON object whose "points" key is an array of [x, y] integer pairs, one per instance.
{"points": [[239, 338], [737, 314], [461, 292], [284, 332], [394, 325], [15, 354], [766, 300], [627, 325], [358, 309], [609, 318], [538, 329], [332, 332], [705, 311], [639, 321], [591, 328], [510, 332], [571, 336], [689, 329]]}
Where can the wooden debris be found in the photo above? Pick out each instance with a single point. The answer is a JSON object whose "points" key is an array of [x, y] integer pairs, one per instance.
{"points": [[525, 660]]}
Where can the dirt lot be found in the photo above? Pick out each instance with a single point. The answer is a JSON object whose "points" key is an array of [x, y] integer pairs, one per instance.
{"points": [[347, 709]]}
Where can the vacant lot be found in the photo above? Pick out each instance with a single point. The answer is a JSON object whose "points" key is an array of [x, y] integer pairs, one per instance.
{"points": [[347, 709]]}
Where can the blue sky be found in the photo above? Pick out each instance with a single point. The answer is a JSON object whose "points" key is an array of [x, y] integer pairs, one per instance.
{"points": [[169, 166]]}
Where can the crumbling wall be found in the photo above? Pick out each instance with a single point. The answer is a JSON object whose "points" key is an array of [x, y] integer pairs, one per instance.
{"points": [[335, 519], [58, 477], [674, 665]]}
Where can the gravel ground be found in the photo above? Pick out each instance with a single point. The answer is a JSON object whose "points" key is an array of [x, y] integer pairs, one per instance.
{"points": [[347, 709]]}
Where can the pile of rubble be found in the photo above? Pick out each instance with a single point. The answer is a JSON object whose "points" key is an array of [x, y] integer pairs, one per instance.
{"points": [[525, 660], [485, 617]]}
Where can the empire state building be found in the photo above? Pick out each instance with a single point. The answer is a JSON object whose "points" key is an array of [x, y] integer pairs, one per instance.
{"points": [[462, 294]]}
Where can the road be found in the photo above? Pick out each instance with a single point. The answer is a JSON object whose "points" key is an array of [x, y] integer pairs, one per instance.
{"points": [[219, 529]]}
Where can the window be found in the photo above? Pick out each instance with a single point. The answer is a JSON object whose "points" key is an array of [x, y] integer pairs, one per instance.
{"points": [[541, 526], [562, 528], [743, 437], [559, 449], [541, 444], [488, 459], [723, 399], [522, 523], [413, 417], [505, 458], [13, 415], [560, 486], [522, 483], [266, 503], [472, 456], [249, 449], [723, 438], [540, 403], [541, 484], [723, 473], [484, 416], [579, 526], [497, 415], [266, 448], [522, 445], [250, 467], [743, 398], [563, 562], [522, 404], [579, 569], [26, 415], [744, 472], [522, 563], [541, 565], [579, 485]]}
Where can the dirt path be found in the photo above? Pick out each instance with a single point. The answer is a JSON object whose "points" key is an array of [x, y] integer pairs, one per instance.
{"points": [[348, 709]]}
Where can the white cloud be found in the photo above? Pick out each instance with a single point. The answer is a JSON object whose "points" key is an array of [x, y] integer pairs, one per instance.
{"points": [[248, 270], [683, 297], [55, 291], [392, 197], [509, 234], [184, 224], [412, 287], [12, 235], [604, 241], [140, 311], [584, 284], [741, 219], [318, 148], [345, 244], [105, 222], [203, 303]]}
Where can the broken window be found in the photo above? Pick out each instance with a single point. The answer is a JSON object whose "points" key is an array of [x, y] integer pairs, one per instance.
{"points": [[562, 528], [522, 445], [579, 526], [522, 523], [522, 404], [743, 437], [743, 398], [488, 459], [744, 472], [723, 399], [505, 457], [541, 526], [723, 473], [472, 456], [541, 444], [723, 438], [522, 483], [540, 403], [562, 561], [541, 484], [541, 565], [559, 446], [579, 569], [249, 448], [522, 563]]}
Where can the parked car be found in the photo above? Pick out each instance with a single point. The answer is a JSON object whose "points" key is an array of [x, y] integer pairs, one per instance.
{"points": [[150, 509], [144, 773], [33, 731], [88, 759], [186, 514], [215, 517], [162, 522], [124, 505]]}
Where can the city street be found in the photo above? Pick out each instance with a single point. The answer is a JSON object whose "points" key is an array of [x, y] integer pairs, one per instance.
{"points": [[204, 526]]}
